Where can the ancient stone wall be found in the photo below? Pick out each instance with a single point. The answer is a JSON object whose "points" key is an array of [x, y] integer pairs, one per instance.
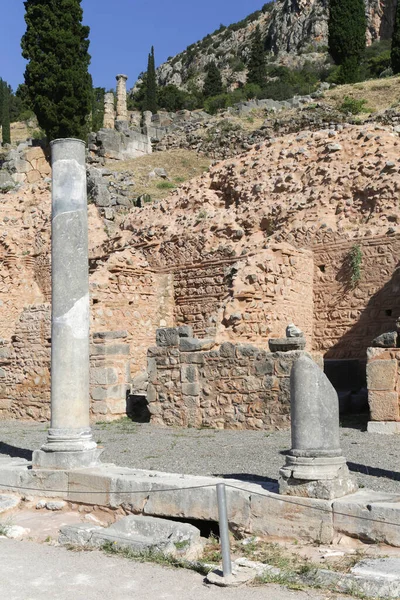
{"points": [[246, 298], [134, 298], [348, 317], [233, 387], [25, 370]]}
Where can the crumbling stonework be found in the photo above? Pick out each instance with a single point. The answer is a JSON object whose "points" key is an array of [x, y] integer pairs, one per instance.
{"points": [[233, 387], [347, 318]]}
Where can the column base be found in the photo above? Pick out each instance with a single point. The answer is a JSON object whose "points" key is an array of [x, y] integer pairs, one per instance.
{"points": [[67, 449], [324, 478]]}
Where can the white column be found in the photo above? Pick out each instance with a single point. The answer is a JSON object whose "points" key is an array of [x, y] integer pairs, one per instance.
{"points": [[69, 442]]}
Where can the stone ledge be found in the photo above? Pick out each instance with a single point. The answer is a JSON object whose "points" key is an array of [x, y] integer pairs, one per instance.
{"points": [[384, 427], [253, 508]]}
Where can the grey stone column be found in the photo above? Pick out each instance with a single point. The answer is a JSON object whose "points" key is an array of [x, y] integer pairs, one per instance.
{"points": [[315, 466], [69, 442], [122, 110]]}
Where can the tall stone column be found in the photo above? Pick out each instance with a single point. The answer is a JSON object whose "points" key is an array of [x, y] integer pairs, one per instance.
{"points": [[69, 442], [315, 466], [122, 109], [109, 112]]}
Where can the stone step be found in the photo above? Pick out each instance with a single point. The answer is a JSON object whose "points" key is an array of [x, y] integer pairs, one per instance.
{"points": [[8, 503], [140, 534]]}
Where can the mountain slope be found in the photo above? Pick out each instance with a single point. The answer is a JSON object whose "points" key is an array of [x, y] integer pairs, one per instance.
{"points": [[294, 31]]}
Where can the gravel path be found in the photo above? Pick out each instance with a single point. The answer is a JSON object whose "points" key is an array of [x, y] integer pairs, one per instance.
{"points": [[375, 459]]}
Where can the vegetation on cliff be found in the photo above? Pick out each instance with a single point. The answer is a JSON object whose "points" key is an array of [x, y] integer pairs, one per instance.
{"points": [[347, 37]]}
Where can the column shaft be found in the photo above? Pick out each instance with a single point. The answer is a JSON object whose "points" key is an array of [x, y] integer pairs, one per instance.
{"points": [[69, 441]]}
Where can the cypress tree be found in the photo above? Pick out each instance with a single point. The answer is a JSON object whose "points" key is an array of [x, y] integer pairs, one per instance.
{"points": [[257, 70], [347, 36], [395, 52], [151, 89], [213, 81], [5, 113], [56, 45]]}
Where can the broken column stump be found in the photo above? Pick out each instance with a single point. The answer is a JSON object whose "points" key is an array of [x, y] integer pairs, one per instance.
{"points": [[315, 467]]}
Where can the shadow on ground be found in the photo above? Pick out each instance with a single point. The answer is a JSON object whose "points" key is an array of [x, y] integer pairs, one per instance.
{"points": [[373, 471], [266, 483], [15, 452]]}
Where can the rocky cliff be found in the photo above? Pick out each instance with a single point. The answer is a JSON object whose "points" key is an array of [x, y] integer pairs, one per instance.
{"points": [[294, 31]]}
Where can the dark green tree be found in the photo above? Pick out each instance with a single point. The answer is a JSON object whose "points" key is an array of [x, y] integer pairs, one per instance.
{"points": [[256, 68], [5, 93], [213, 81], [98, 108], [395, 51], [151, 84], [59, 86], [347, 37]]}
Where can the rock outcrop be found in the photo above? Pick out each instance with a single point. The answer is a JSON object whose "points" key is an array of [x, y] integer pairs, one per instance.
{"points": [[294, 30]]}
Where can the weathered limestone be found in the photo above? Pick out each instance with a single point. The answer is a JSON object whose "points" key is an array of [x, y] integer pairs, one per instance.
{"points": [[69, 442], [314, 467], [122, 111], [109, 112], [139, 533], [383, 384]]}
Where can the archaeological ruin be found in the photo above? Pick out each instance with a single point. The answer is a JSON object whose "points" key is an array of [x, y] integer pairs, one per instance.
{"points": [[190, 297]]}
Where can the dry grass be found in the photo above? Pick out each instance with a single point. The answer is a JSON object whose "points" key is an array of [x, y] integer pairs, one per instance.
{"points": [[378, 93], [181, 165]]}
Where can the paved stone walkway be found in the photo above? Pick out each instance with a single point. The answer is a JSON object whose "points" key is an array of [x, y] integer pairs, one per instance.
{"points": [[30, 571], [374, 458]]}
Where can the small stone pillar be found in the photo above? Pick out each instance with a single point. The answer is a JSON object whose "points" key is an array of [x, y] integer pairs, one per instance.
{"points": [[122, 110], [109, 112], [110, 374], [69, 441], [315, 467]]}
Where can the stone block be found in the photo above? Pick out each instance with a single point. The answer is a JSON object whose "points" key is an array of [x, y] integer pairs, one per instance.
{"points": [[194, 358], [109, 350], [33, 176], [304, 518], [383, 406], [264, 365], [195, 345], [152, 370], [381, 375], [246, 351], [103, 375], [151, 393], [227, 350], [114, 392], [167, 337], [369, 516], [140, 534], [191, 389], [189, 374], [185, 331], [110, 335], [384, 427]]}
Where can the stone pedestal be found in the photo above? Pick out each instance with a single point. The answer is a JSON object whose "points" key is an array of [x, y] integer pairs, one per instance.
{"points": [[122, 110], [315, 467], [109, 112], [383, 384], [69, 442]]}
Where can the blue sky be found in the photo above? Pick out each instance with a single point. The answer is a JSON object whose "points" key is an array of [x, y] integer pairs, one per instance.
{"points": [[122, 32]]}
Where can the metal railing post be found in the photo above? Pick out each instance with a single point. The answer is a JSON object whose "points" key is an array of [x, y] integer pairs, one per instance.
{"points": [[224, 530]]}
